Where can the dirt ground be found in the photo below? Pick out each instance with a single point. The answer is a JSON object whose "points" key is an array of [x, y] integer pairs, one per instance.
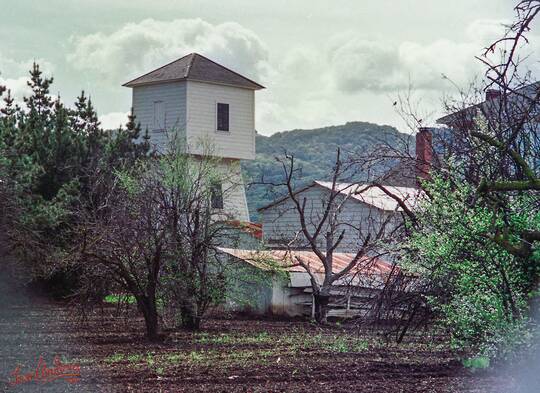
{"points": [[230, 354]]}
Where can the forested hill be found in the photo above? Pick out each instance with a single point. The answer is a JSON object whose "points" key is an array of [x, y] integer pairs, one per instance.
{"points": [[314, 150]]}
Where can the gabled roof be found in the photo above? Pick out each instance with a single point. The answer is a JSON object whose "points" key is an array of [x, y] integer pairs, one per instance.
{"points": [[197, 68], [490, 105], [366, 193]]}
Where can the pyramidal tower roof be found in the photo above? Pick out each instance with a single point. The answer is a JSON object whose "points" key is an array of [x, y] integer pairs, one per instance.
{"points": [[197, 68]]}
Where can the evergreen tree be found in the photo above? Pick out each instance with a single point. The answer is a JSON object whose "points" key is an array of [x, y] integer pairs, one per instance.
{"points": [[51, 155]]}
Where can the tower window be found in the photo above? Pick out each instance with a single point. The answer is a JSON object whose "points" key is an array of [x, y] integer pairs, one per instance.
{"points": [[159, 116], [216, 195], [222, 117]]}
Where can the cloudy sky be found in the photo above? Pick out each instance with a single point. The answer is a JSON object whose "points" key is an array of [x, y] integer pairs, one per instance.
{"points": [[323, 62]]}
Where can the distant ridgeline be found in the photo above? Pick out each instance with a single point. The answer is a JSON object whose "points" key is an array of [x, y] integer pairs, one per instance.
{"points": [[315, 152]]}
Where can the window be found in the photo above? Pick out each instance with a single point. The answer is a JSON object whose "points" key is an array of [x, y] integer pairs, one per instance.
{"points": [[159, 115], [216, 195], [222, 117]]}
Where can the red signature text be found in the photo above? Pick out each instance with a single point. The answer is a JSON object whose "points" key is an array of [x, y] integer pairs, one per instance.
{"points": [[69, 372]]}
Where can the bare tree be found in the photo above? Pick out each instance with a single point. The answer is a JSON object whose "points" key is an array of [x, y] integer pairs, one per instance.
{"points": [[154, 236], [498, 140], [324, 227]]}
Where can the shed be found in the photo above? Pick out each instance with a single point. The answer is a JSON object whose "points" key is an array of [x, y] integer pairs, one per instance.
{"points": [[287, 290]]}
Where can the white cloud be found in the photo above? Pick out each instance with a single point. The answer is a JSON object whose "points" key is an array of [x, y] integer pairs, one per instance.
{"points": [[359, 64], [18, 86], [486, 31], [314, 85], [15, 74], [346, 77], [136, 48], [113, 120]]}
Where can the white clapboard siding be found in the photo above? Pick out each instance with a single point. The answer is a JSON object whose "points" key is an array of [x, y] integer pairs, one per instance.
{"points": [[202, 100], [188, 110], [281, 222], [234, 194], [171, 97]]}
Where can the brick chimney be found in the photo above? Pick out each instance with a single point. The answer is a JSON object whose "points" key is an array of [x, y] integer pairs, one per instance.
{"points": [[424, 153], [492, 94]]}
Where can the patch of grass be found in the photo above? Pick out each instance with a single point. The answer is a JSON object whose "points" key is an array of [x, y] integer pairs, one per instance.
{"points": [[115, 299], [115, 358], [221, 339], [135, 358], [266, 353], [261, 338], [334, 343], [174, 358], [196, 357], [339, 344], [227, 339], [82, 361], [477, 363], [360, 346], [150, 359]]}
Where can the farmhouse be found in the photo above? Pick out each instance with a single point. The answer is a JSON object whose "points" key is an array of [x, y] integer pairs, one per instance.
{"points": [[206, 108], [495, 103], [363, 209]]}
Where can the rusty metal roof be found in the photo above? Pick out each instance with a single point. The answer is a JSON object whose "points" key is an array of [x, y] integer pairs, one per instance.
{"points": [[197, 68], [250, 228], [288, 260]]}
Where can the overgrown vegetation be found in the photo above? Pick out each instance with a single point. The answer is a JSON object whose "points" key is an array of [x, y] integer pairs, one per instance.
{"points": [[95, 213], [475, 239], [479, 289], [49, 154], [157, 237]]}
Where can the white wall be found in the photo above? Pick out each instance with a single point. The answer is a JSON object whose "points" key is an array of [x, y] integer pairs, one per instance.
{"points": [[281, 221], [173, 97], [202, 99], [190, 110], [234, 194]]}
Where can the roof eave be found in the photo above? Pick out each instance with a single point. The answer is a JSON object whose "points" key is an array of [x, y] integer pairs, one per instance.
{"points": [[258, 87], [137, 84], [133, 83]]}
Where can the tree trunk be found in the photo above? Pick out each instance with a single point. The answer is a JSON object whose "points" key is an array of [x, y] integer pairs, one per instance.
{"points": [[190, 318], [321, 307], [151, 320]]}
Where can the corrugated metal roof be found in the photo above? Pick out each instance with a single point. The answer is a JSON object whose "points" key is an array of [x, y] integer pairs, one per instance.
{"points": [[288, 260], [375, 196], [197, 68], [367, 193]]}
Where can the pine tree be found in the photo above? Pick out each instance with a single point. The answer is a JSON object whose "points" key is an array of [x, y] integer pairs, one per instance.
{"points": [[53, 155], [9, 109], [40, 100], [127, 143], [8, 120]]}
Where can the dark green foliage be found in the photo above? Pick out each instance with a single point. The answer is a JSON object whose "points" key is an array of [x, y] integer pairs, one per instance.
{"points": [[314, 152], [48, 155]]}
